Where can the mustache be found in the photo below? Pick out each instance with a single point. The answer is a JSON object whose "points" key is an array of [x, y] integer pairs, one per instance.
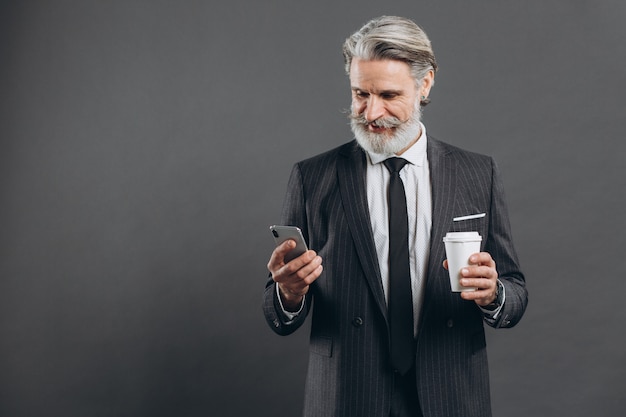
{"points": [[384, 122]]}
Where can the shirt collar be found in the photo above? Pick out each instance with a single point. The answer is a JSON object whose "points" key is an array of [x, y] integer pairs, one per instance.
{"points": [[416, 154]]}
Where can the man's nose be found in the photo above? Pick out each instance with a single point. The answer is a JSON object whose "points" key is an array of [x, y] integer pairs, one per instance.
{"points": [[375, 108]]}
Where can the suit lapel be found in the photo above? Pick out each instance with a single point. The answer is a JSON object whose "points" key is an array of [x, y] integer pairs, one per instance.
{"points": [[351, 178], [443, 183]]}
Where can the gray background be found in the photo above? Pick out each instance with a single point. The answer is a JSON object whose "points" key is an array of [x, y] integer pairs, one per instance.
{"points": [[145, 149]]}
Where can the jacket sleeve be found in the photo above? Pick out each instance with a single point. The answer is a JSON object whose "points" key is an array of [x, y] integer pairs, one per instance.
{"points": [[276, 319], [293, 214], [500, 246]]}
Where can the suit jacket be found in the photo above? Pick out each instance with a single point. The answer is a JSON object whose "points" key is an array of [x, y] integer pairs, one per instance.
{"points": [[349, 372]]}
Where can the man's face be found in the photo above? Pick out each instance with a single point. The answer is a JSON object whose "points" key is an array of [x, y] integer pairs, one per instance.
{"points": [[385, 105]]}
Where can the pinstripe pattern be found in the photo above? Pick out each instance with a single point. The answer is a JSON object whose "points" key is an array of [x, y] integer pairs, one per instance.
{"points": [[349, 373]]}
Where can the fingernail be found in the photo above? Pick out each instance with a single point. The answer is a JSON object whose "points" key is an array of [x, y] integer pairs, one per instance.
{"points": [[464, 271]]}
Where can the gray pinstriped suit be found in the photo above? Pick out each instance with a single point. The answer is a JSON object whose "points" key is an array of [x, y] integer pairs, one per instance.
{"points": [[349, 371]]}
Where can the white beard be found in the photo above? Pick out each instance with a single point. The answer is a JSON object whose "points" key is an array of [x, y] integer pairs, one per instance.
{"points": [[381, 143]]}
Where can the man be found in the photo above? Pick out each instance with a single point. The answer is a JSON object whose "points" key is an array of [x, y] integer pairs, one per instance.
{"points": [[344, 201]]}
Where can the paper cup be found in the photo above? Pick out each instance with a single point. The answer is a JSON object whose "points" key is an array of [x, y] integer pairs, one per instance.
{"points": [[459, 247]]}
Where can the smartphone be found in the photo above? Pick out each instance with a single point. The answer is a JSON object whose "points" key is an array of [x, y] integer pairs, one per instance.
{"points": [[283, 233]]}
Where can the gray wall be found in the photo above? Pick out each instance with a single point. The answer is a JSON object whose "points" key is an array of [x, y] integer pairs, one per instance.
{"points": [[145, 148]]}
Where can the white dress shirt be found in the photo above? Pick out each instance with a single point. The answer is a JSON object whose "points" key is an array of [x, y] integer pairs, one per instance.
{"points": [[416, 179]]}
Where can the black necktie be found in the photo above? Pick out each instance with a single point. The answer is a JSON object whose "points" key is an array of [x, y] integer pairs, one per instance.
{"points": [[400, 299]]}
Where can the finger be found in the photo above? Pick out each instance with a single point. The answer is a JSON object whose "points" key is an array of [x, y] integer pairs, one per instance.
{"points": [[482, 284], [298, 268], [479, 272], [299, 283], [315, 274], [482, 258], [303, 277], [307, 272], [445, 263], [301, 261], [277, 259], [482, 297]]}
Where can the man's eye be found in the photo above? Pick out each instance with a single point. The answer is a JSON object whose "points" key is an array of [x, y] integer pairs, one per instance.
{"points": [[361, 94], [389, 96]]}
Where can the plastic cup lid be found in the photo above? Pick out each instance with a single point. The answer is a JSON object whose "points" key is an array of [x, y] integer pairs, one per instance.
{"points": [[462, 237]]}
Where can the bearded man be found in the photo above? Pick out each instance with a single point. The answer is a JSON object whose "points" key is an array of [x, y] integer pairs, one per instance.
{"points": [[388, 336]]}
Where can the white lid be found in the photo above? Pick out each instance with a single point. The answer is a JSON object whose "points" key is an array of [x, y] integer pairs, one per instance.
{"points": [[462, 237]]}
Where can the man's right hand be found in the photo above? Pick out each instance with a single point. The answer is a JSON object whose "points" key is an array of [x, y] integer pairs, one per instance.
{"points": [[295, 277]]}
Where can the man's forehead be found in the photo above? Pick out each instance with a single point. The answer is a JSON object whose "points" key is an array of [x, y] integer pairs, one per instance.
{"points": [[380, 75]]}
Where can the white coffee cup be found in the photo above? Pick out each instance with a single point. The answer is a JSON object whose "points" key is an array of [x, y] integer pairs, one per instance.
{"points": [[459, 247]]}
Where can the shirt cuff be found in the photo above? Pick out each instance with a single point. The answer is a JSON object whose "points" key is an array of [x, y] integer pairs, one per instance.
{"points": [[289, 314]]}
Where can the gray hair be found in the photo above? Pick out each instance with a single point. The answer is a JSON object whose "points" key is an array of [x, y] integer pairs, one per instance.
{"points": [[392, 37]]}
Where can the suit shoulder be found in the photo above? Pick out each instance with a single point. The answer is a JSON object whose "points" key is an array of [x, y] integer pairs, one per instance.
{"points": [[443, 148], [329, 157]]}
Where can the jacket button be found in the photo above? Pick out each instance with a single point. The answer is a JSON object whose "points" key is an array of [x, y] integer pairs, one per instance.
{"points": [[450, 323], [357, 322]]}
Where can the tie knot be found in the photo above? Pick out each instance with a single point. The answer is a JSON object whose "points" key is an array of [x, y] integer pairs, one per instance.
{"points": [[394, 165]]}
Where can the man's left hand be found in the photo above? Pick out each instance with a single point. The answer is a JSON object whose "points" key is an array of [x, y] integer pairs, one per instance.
{"points": [[480, 274]]}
